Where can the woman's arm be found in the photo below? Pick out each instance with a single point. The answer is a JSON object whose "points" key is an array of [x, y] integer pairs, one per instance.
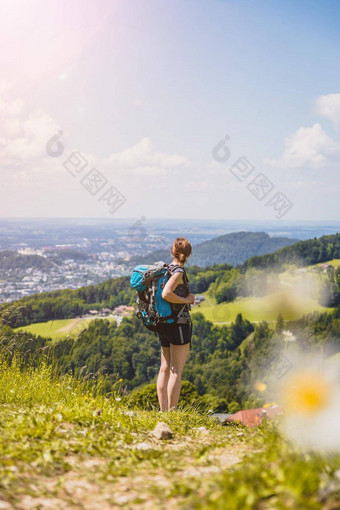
{"points": [[168, 291]]}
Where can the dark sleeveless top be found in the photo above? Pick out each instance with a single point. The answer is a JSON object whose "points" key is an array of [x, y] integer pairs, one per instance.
{"points": [[181, 290]]}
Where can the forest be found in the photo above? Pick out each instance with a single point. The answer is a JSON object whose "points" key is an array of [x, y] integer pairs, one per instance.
{"points": [[224, 362], [302, 253]]}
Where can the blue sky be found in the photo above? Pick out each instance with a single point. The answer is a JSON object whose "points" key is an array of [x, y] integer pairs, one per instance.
{"points": [[145, 89]]}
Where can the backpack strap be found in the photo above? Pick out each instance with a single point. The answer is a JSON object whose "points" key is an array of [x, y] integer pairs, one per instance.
{"points": [[185, 307], [173, 270]]}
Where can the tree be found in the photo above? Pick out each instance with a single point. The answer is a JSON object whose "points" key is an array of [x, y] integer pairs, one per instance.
{"points": [[279, 324], [233, 407]]}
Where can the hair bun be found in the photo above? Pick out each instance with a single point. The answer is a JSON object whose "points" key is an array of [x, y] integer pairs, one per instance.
{"points": [[181, 249]]}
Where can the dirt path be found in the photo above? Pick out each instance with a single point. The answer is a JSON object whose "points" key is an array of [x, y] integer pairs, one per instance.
{"points": [[91, 482], [72, 325]]}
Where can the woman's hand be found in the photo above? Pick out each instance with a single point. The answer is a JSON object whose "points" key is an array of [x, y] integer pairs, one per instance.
{"points": [[190, 299]]}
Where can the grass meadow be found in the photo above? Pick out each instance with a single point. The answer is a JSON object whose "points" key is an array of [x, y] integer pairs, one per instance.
{"points": [[65, 444]]}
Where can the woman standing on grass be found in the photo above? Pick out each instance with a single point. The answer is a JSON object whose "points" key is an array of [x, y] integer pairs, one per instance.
{"points": [[175, 338]]}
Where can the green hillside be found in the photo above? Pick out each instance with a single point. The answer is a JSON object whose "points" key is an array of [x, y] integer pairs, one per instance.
{"points": [[290, 302], [234, 249], [303, 253], [220, 365], [12, 260], [296, 295], [258, 309], [59, 328]]}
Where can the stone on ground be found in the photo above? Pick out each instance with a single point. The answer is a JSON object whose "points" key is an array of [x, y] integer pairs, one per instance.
{"points": [[162, 431]]}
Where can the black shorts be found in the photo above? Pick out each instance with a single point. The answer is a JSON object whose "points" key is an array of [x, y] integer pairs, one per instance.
{"points": [[176, 334]]}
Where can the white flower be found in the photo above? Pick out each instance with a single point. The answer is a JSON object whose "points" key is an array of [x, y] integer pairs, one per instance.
{"points": [[310, 396], [288, 336]]}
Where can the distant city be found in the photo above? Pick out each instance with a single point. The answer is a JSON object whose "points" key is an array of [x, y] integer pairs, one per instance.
{"points": [[43, 255]]}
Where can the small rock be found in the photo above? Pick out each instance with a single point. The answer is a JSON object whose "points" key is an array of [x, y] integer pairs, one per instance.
{"points": [[64, 427], [4, 505], [31, 503], [143, 446], [202, 430], [162, 431], [240, 434], [325, 492], [329, 485]]}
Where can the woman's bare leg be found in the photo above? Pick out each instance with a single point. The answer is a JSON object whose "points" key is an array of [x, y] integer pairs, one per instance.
{"points": [[178, 357], [163, 378]]}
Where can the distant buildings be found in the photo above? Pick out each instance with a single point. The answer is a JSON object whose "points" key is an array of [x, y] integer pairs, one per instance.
{"points": [[326, 266], [105, 311], [198, 299], [30, 251], [121, 310]]}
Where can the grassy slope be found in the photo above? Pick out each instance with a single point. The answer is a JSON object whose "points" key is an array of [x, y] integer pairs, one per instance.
{"points": [[59, 328], [334, 263], [57, 450], [292, 301], [258, 309]]}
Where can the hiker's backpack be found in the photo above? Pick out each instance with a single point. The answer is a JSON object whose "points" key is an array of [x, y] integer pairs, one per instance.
{"points": [[149, 282]]}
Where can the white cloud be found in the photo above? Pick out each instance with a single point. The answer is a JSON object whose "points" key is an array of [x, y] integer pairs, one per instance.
{"points": [[296, 185], [23, 138], [313, 185], [198, 185], [329, 106], [144, 159], [309, 147]]}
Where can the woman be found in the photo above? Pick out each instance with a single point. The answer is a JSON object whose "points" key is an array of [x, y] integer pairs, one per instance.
{"points": [[175, 339]]}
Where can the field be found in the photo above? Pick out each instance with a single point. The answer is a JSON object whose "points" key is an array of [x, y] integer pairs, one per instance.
{"points": [[64, 445], [295, 298], [59, 328], [334, 263], [258, 309]]}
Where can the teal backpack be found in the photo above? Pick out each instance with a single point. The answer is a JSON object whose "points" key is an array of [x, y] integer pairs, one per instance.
{"points": [[149, 281]]}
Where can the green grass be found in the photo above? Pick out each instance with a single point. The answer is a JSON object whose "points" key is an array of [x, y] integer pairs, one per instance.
{"points": [[292, 300], [60, 328], [333, 262], [65, 445], [267, 308]]}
